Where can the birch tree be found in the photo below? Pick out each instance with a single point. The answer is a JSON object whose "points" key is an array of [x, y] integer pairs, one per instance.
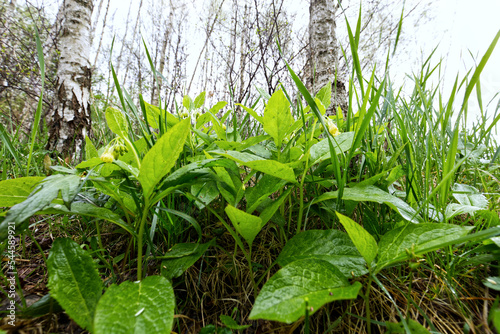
{"points": [[324, 51], [19, 76], [70, 120]]}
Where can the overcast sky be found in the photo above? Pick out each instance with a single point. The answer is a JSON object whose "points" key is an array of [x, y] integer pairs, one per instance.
{"points": [[463, 30]]}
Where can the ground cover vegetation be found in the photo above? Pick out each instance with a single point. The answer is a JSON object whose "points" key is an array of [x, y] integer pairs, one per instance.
{"points": [[268, 217]]}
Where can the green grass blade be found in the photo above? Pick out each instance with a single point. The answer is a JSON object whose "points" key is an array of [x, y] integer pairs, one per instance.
{"points": [[8, 144], [479, 69], [365, 118], [153, 69], [400, 25], [118, 88], [38, 113], [448, 165], [355, 57]]}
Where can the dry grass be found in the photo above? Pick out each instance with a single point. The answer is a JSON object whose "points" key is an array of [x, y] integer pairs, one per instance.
{"points": [[219, 284]]}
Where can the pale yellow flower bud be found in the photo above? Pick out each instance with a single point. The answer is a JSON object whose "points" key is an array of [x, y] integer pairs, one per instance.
{"points": [[332, 128], [107, 156]]}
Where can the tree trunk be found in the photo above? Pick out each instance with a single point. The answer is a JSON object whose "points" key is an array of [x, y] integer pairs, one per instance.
{"points": [[70, 121], [324, 52]]}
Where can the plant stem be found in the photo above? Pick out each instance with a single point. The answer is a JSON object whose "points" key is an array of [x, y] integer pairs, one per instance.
{"points": [[99, 240], [248, 256], [132, 147], [301, 189], [139, 240], [367, 306], [301, 195], [36, 244]]}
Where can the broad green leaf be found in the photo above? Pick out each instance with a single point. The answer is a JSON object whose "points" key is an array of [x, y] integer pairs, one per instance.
{"points": [[455, 209], [321, 150], [325, 94], [247, 225], [217, 126], [154, 114], [117, 122], [187, 102], [90, 150], [331, 245], [124, 199], [162, 156], [321, 107], [199, 101], [468, 195], [209, 329], [90, 210], [239, 157], [260, 119], [14, 191], [205, 192], [271, 209], [218, 106], [496, 241], [496, 318], [307, 283], [261, 151], [231, 323], [266, 185], [203, 120], [128, 168], [74, 281], [107, 169], [277, 117], [188, 173], [45, 305], [373, 194], [181, 257], [227, 185], [141, 145], [364, 241], [493, 283], [469, 198], [89, 163], [45, 193], [398, 244], [271, 167], [415, 327], [145, 306]]}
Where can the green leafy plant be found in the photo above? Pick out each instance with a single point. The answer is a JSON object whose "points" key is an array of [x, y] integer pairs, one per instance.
{"points": [[142, 306], [343, 200]]}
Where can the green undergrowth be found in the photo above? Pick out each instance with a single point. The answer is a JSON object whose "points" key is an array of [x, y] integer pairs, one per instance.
{"points": [[272, 216]]}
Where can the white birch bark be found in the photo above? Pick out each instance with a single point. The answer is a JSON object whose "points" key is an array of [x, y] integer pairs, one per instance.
{"points": [[70, 121], [324, 51]]}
